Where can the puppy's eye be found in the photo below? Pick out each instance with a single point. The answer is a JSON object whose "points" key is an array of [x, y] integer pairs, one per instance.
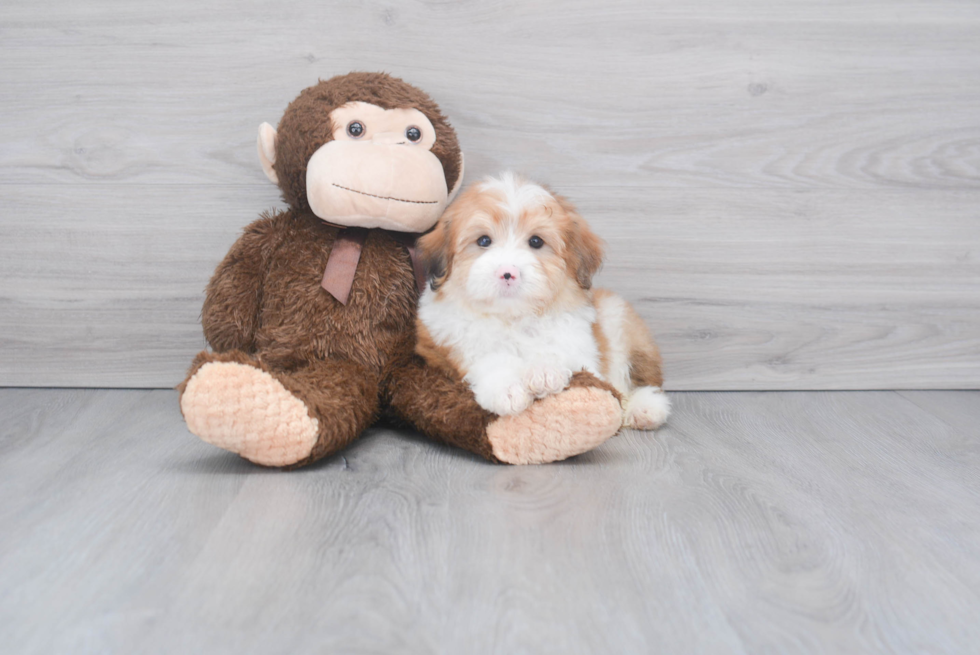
{"points": [[535, 241], [355, 129], [413, 134], [484, 241]]}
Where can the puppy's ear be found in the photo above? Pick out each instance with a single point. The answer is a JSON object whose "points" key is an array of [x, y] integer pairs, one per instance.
{"points": [[585, 248], [435, 253]]}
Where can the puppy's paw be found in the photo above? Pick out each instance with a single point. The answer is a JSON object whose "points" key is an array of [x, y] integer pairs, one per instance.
{"points": [[544, 381], [646, 409], [512, 399]]}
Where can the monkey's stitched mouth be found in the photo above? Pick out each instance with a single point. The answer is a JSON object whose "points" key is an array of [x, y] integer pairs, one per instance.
{"points": [[414, 202]]}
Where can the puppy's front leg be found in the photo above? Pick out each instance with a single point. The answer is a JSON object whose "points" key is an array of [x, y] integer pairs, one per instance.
{"points": [[546, 379], [498, 385]]}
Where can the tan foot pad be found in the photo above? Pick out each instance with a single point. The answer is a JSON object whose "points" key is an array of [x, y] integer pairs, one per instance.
{"points": [[247, 411], [556, 428]]}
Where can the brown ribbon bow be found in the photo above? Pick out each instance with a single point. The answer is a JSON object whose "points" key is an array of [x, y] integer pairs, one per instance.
{"points": [[338, 276]]}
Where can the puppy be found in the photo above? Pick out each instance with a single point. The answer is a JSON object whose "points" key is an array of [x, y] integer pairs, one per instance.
{"points": [[510, 309]]}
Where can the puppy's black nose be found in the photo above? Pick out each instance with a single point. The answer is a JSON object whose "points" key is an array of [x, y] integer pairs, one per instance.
{"points": [[508, 274]]}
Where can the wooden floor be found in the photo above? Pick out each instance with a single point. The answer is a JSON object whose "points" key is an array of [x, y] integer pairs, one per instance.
{"points": [[755, 522]]}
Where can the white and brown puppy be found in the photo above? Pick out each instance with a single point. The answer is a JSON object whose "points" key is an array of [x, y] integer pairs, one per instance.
{"points": [[511, 311]]}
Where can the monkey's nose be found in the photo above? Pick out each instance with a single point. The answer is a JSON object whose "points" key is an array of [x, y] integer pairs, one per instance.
{"points": [[388, 138]]}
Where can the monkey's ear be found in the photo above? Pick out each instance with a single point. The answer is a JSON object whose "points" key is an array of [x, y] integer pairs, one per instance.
{"points": [[267, 151], [459, 179]]}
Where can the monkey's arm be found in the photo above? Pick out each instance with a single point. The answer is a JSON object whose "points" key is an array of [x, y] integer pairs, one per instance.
{"points": [[552, 429], [234, 295]]}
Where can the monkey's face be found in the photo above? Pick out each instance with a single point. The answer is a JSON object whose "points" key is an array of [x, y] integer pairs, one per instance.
{"points": [[360, 164], [378, 171]]}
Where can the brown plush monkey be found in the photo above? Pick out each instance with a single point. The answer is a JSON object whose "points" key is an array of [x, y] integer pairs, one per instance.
{"points": [[311, 315]]}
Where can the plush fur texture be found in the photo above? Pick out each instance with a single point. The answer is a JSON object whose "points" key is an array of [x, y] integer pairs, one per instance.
{"points": [[267, 423], [577, 417], [511, 311], [281, 345], [302, 129]]}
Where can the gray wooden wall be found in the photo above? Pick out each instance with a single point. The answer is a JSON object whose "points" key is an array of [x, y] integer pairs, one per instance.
{"points": [[790, 190]]}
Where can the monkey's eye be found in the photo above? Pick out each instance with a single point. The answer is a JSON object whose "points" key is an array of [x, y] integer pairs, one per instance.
{"points": [[484, 241], [355, 129], [535, 242], [413, 133]]}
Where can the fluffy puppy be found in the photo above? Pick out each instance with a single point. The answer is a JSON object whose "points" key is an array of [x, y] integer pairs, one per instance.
{"points": [[510, 307]]}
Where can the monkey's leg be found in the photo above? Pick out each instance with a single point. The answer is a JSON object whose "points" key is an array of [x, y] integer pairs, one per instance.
{"points": [[276, 418], [554, 428]]}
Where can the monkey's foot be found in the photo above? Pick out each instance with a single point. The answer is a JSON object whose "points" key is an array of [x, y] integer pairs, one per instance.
{"points": [[247, 411], [560, 426]]}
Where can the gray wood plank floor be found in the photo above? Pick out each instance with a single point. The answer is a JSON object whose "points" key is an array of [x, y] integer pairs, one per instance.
{"points": [[790, 190], [816, 522]]}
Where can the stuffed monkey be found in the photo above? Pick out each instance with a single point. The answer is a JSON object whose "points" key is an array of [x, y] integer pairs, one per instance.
{"points": [[311, 314]]}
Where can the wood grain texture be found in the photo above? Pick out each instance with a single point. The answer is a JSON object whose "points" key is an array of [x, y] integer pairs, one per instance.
{"points": [[745, 293], [811, 522], [790, 192], [804, 95]]}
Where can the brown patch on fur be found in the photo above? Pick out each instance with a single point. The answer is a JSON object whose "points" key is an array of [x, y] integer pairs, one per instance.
{"points": [[635, 342], [645, 362], [645, 369], [602, 343], [585, 247], [434, 251], [435, 355], [304, 128]]}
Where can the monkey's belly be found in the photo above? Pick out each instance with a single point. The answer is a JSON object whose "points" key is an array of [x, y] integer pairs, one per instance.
{"points": [[302, 321]]}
